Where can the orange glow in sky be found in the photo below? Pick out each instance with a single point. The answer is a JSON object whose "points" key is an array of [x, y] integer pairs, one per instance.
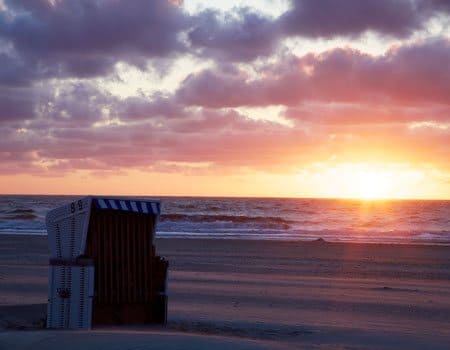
{"points": [[359, 181]]}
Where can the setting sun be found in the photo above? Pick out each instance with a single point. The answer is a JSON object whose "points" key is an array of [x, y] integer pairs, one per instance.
{"points": [[372, 185], [370, 181]]}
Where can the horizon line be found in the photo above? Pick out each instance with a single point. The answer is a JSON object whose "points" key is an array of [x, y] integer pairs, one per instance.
{"points": [[384, 199]]}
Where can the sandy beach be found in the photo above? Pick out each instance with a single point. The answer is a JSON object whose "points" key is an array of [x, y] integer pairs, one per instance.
{"points": [[237, 294]]}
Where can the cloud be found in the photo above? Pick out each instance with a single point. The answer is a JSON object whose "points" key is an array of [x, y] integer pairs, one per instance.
{"points": [[66, 134], [140, 107], [242, 35], [245, 34], [218, 88], [14, 71], [340, 101], [328, 18], [100, 27], [407, 74], [16, 104], [86, 38], [343, 115]]}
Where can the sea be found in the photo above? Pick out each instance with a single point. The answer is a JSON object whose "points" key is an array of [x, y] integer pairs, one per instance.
{"points": [[293, 219]]}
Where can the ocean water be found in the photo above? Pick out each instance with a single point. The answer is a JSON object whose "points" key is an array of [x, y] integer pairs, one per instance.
{"points": [[411, 221]]}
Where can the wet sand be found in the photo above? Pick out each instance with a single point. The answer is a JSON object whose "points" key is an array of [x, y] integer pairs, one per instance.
{"points": [[235, 294]]}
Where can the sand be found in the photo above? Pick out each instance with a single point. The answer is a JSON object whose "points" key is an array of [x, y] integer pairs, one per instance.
{"points": [[232, 294]]}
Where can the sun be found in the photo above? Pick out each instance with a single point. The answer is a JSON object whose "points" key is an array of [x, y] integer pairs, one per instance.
{"points": [[369, 181], [365, 181], [370, 185]]}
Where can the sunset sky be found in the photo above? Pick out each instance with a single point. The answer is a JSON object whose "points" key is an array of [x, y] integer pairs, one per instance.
{"points": [[306, 98]]}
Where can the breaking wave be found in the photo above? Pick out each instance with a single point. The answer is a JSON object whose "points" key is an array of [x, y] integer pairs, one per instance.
{"points": [[266, 221], [18, 214]]}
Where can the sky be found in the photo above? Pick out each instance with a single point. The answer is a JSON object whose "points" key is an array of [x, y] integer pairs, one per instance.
{"points": [[270, 98]]}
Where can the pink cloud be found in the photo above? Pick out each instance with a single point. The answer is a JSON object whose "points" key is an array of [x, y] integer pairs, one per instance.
{"points": [[408, 74]]}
